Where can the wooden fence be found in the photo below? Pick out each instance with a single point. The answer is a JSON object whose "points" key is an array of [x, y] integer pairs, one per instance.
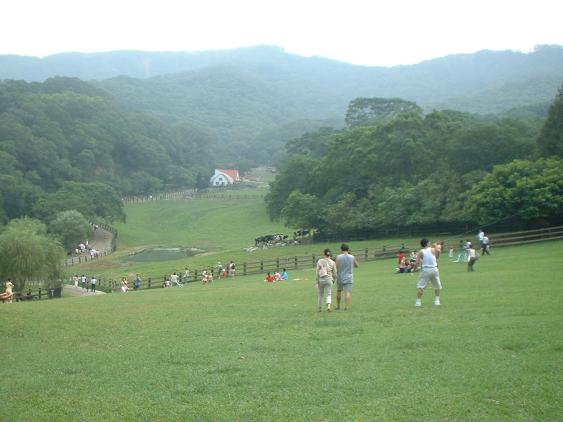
{"points": [[525, 237], [38, 294], [262, 266], [183, 194], [188, 195]]}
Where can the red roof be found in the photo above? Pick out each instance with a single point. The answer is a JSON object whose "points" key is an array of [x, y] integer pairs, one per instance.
{"points": [[233, 174]]}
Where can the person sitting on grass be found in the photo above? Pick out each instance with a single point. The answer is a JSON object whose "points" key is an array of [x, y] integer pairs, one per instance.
{"points": [[284, 275], [269, 278], [277, 276], [404, 266]]}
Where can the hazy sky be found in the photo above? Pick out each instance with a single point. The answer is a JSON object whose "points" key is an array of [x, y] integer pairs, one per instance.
{"points": [[369, 32]]}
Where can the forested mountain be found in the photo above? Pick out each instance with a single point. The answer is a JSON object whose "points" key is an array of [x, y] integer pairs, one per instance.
{"points": [[440, 82], [246, 98], [66, 130]]}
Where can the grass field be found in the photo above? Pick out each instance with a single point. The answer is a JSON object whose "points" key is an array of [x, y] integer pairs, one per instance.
{"points": [[244, 350]]}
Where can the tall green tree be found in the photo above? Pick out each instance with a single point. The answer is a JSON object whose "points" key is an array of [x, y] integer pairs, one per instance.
{"points": [[374, 111], [530, 192], [70, 227], [301, 210], [550, 141], [93, 200], [29, 253]]}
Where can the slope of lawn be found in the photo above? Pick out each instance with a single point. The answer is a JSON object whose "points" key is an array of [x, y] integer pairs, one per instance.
{"points": [[246, 350]]}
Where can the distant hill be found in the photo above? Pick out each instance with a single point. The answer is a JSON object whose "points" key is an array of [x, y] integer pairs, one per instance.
{"points": [[239, 95], [440, 81]]}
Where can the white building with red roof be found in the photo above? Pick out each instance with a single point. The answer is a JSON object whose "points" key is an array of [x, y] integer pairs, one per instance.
{"points": [[224, 177]]}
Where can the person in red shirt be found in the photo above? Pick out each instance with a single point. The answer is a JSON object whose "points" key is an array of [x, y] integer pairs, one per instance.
{"points": [[400, 257], [269, 278]]}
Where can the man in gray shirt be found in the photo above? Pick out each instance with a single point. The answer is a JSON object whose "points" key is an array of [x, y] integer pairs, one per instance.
{"points": [[345, 264]]}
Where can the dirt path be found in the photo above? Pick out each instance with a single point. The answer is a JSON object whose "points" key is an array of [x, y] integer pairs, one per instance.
{"points": [[101, 240]]}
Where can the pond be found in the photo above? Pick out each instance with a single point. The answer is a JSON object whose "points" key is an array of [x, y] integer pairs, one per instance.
{"points": [[163, 254]]}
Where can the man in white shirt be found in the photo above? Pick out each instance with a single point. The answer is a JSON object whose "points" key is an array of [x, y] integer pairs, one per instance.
{"points": [[174, 280], [426, 261]]}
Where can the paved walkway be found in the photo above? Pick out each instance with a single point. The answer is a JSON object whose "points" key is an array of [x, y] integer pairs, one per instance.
{"points": [[79, 291]]}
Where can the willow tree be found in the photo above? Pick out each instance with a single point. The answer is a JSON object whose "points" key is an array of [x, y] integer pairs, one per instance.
{"points": [[29, 253]]}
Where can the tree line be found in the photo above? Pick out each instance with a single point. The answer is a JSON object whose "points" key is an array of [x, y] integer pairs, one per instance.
{"points": [[394, 166], [68, 154], [67, 130]]}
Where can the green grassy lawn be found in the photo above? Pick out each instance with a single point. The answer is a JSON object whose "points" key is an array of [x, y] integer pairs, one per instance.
{"points": [[208, 224], [243, 350]]}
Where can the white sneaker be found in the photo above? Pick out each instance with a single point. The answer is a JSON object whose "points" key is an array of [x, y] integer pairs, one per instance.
{"points": [[418, 303], [436, 302]]}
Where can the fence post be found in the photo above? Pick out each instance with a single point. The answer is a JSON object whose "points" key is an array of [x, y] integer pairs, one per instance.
{"points": [[277, 264], [244, 268], [149, 282], [261, 266], [366, 254], [39, 295], [314, 260], [296, 262]]}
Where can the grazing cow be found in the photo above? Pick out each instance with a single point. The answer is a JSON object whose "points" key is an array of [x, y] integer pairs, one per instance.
{"points": [[300, 233], [270, 238]]}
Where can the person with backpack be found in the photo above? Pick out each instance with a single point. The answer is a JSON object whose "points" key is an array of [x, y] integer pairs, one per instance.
{"points": [[326, 274]]}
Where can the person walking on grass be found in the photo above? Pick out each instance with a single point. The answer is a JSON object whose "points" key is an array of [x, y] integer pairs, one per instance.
{"points": [[473, 256], [485, 246], [326, 274], [174, 280], [93, 282], [426, 261], [345, 264], [232, 269]]}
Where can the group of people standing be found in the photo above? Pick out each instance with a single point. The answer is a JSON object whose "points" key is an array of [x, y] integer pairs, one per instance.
{"points": [[341, 270], [87, 284], [468, 253]]}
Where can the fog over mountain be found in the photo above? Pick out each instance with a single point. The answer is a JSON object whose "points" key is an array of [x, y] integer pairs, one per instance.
{"points": [[248, 98], [437, 82]]}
